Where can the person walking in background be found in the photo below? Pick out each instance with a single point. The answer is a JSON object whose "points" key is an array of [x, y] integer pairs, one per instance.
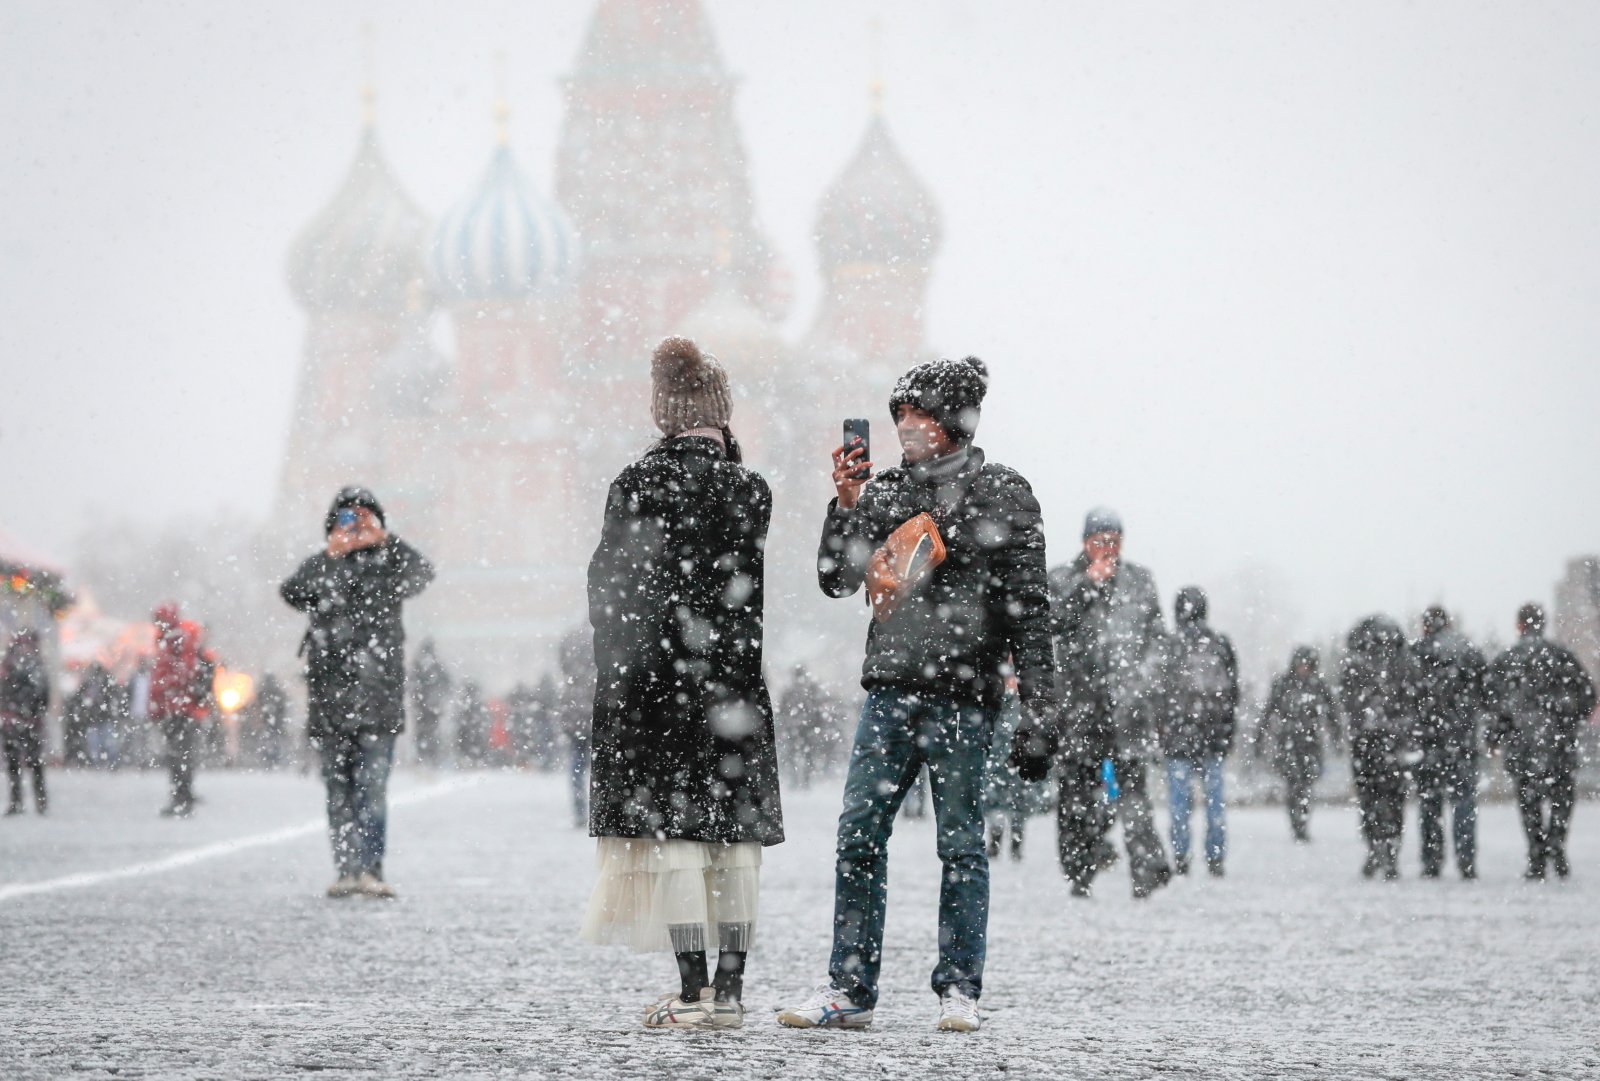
{"points": [[1449, 685], [1540, 696], [354, 651], [938, 653], [1301, 712], [1201, 693], [684, 788], [269, 715], [91, 712], [24, 701], [1378, 694], [1106, 617], [801, 715], [430, 690], [180, 701], [576, 709], [472, 726], [1008, 799]]}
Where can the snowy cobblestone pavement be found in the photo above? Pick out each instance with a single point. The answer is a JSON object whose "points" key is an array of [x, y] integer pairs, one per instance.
{"points": [[218, 960]]}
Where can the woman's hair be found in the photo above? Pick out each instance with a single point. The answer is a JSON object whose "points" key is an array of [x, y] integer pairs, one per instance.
{"points": [[730, 444]]}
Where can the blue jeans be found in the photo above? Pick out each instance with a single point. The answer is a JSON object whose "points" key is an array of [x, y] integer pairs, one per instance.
{"points": [[355, 768], [1181, 775], [898, 733]]}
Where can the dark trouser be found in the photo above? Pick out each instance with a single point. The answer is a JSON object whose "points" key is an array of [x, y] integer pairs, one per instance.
{"points": [[1380, 791], [1555, 786], [898, 733], [24, 752], [578, 774], [1181, 776], [183, 750], [355, 768], [1298, 785], [1451, 782], [1082, 820]]}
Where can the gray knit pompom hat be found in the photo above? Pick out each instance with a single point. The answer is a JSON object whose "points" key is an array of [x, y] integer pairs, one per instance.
{"points": [[689, 388]]}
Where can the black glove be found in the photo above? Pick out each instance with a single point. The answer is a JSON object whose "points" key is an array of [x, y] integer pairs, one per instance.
{"points": [[1032, 745]]}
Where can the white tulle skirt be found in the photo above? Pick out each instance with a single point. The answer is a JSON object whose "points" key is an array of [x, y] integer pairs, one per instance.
{"points": [[678, 896]]}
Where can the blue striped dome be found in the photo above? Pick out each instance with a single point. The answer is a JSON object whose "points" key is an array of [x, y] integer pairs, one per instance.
{"points": [[504, 241]]}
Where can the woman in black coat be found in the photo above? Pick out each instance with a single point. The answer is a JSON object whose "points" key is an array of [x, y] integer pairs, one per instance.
{"points": [[684, 774]]}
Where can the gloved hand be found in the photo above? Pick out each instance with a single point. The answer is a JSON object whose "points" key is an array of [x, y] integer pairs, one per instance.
{"points": [[1033, 745]]}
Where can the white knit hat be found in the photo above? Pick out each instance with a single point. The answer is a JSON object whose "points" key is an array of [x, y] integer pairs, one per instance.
{"points": [[689, 388]]}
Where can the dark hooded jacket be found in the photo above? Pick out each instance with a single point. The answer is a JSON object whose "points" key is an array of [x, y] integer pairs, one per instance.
{"points": [[1109, 648], [682, 740], [1376, 683], [1300, 712], [354, 648], [1540, 696], [24, 683], [1449, 682], [985, 609], [1200, 685]]}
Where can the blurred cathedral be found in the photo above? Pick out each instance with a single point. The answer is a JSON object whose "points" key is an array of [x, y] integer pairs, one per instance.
{"points": [[495, 459]]}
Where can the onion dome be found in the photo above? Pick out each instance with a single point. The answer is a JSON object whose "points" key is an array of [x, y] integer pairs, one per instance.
{"points": [[504, 241], [877, 213], [362, 252]]}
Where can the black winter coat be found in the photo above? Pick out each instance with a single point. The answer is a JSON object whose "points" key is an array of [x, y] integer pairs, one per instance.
{"points": [[1449, 674], [1110, 651], [1540, 696], [1200, 692], [1300, 711], [984, 611], [354, 650], [682, 737], [1376, 683]]}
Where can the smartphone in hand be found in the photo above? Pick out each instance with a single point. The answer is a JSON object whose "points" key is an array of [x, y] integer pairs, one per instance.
{"points": [[858, 433]]}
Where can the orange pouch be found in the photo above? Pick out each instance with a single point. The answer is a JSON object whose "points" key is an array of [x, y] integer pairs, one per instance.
{"points": [[906, 560]]}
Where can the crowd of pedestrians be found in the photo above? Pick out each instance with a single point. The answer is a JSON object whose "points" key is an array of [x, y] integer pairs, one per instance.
{"points": [[999, 684]]}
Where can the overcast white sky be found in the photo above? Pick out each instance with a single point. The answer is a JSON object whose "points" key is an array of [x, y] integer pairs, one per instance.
{"points": [[1308, 286]]}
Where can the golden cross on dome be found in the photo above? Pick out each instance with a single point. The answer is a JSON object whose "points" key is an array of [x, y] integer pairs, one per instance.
{"points": [[502, 106], [875, 62], [369, 89]]}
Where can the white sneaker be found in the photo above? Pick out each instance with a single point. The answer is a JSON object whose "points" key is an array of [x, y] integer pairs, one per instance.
{"points": [[828, 1007], [671, 1011], [727, 1013], [958, 1012], [370, 885], [344, 887]]}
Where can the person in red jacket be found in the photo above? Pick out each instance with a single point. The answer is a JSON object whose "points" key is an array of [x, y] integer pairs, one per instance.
{"points": [[180, 696]]}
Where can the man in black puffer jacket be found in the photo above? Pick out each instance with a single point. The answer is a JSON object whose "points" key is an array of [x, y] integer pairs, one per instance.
{"points": [[1450, 703], [1378, 691], [1201, 694], [1540, 697], [355, 675], [935, 674], [1110, 650]]}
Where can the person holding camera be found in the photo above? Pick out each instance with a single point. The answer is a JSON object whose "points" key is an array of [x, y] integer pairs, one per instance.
{"points": [[355, 676], [946, 634]]}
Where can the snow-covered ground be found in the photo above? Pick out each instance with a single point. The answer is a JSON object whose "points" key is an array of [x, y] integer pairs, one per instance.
{"points": [[203, 948]]}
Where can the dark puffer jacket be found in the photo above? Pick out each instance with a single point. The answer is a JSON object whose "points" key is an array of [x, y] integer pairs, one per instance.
{"points": [[1301, 713], [1540, 696], [983, 610], [1200, 685], [1110, 653], [355, 648], [1449, 674], [683, 744]]}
